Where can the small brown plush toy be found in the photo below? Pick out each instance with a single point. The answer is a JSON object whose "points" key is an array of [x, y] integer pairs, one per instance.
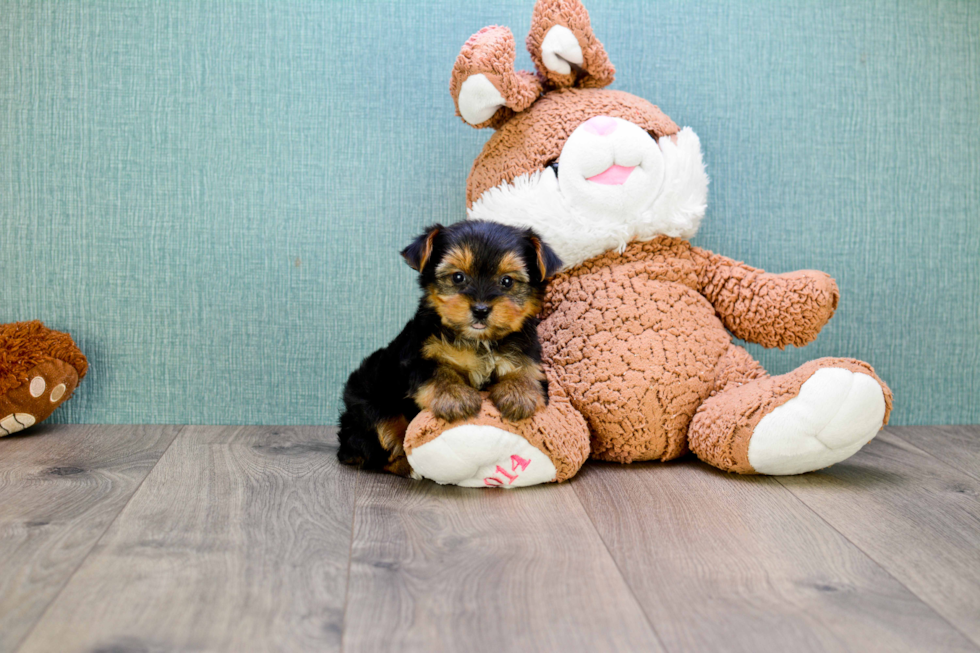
{"points": [[39, 370]]}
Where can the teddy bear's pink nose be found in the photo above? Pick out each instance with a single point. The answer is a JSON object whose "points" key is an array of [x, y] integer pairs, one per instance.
{"points": [[601, 125]]}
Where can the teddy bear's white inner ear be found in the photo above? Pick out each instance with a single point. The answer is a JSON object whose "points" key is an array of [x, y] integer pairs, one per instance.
{"points": [[478, 99], [559, 49]]}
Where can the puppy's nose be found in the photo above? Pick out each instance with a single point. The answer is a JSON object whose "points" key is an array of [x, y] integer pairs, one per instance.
{"points": [[601, 125], [481, 311]]}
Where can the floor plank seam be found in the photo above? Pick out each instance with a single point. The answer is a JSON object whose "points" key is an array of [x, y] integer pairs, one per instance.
{"points": [[95, 543], [944, 463], [619, 570], [350, 559], [871, 558]]}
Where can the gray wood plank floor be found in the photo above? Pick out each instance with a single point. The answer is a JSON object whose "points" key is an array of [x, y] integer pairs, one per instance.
{"points": [[60, 489], [237, 541], [156, 538]]}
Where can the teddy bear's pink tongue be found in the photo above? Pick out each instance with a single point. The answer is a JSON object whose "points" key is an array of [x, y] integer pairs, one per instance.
{"points": [[613, 175]]}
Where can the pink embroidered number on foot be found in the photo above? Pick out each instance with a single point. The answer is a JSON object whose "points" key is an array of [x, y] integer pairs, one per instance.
{"points": [[515, 462], [477, 455]]}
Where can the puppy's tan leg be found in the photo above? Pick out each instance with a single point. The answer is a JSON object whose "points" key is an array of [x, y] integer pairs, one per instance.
{"points": [[391, 435]]}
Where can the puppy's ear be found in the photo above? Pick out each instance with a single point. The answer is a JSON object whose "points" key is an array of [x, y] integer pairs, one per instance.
{"points": [[418, 253], [548, 262]]}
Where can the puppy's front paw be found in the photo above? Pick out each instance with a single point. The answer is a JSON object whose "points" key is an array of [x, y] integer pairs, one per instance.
{"points": [[455, 403], [518, 399]]}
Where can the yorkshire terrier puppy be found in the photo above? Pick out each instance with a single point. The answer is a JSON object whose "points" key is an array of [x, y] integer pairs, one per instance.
{"points": [[475, 329]]}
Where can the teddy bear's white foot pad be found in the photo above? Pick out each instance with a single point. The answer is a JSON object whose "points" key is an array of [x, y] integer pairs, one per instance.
{"points": [[14, 423], [835, 414], [481, 456]]}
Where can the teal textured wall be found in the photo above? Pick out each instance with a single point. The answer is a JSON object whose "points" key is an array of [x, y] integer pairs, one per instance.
{"points": [[211, 195]]}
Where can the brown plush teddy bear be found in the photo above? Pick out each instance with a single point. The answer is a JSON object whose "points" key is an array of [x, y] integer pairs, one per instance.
{"points": [[637, 330], [39, 370]]}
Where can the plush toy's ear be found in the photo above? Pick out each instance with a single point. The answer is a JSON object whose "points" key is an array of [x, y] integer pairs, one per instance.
{"points": [[563, 47], [418, 253], [548, 262], [486, 89]]}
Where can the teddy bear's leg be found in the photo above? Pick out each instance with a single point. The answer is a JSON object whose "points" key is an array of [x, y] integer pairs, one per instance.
{"points": [[39, 370], [489, 451], [819, 414]]}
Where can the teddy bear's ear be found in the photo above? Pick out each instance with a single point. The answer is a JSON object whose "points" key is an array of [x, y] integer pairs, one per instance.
{"points": [[564, 48], [484, 85]]}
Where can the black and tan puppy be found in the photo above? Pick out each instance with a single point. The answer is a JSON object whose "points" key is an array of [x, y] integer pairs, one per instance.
{"points": [[475, 329]]}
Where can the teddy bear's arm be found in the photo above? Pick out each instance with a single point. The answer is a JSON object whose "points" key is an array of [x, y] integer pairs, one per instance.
{"points": [[773, 310]]}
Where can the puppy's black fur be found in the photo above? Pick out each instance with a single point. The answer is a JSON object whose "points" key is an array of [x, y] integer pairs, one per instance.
{"points": [[475, 329]]}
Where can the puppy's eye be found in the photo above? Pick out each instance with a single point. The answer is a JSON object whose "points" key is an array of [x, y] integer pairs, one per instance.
{"points": [[458, 278], [506, 282], [553, 164]]}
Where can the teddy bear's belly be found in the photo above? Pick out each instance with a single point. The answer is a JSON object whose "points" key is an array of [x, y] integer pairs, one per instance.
{"points": [[636, 361]]}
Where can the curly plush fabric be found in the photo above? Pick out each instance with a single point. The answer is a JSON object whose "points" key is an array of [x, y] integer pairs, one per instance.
{"points": [[773, 310], [723, 426], [571, 14], [25, 345], [529, 140], [736, 368], [491, 52], [39, 370], [639, 340]]}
